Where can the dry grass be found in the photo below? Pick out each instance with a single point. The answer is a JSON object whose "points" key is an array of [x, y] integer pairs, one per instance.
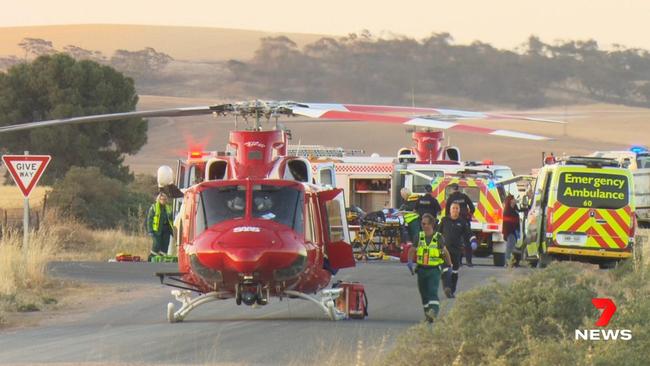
{"points": [[25, 285], [79, 243], [25, 269], [11, 197]]}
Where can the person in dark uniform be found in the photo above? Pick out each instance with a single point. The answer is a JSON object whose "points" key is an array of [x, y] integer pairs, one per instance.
{"points": [[466, 212], [428, 204], [456, 233]]}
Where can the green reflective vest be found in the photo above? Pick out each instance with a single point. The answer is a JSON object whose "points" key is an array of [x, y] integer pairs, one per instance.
{"points": [[156, 216], [429, 254], [410, 206]]}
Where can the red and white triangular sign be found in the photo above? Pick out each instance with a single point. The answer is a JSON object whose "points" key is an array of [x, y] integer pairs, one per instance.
{"points": [[26, 170]]}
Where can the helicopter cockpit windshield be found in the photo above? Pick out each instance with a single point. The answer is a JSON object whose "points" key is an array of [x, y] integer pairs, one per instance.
{"points": [[222, 203], [279, 203], [282, 204]]}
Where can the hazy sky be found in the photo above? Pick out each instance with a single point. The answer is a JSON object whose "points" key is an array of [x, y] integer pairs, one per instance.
{"points": [[504, 23]]}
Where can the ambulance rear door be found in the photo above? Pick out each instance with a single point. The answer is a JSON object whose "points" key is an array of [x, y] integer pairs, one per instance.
{"points": [[594, 208]]}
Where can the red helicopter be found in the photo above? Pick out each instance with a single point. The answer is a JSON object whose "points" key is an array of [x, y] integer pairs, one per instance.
{"points": [[255, 225]]}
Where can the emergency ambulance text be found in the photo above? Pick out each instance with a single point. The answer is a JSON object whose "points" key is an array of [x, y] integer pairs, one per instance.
{"points": [[597, 182]]}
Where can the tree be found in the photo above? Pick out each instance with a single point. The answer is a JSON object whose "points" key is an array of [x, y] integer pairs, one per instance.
{"points": [[36, 47], [140, 64], [99, 201], [79, 53], [57, 86]]}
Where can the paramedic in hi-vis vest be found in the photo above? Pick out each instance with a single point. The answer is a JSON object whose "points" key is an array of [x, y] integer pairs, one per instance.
{"points": [[160, 225], [429, 255], [411, 217]]}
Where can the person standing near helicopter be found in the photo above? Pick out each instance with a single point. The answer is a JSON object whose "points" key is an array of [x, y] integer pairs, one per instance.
{"points": [[160, 225]]}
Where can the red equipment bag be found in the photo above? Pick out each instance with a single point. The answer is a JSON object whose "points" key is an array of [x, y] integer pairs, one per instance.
{"points": [[404, 255], [353, 302]]}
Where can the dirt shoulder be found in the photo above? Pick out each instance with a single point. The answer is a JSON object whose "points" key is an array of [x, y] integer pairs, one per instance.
{"points": [[65, 301]]}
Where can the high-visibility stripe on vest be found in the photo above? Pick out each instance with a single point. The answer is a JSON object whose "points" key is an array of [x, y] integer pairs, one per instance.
{"points": [[428, 254], [156, 216]]}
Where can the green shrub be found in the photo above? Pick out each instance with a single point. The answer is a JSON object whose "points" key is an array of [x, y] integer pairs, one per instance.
{"points": [[99, 201], [532, 321]]}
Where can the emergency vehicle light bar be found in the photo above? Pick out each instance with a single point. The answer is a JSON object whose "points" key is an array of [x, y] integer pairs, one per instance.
{"points": [[591, 162]]}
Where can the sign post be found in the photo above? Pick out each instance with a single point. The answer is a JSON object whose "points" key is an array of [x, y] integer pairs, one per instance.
{"points": [[26, 170]]}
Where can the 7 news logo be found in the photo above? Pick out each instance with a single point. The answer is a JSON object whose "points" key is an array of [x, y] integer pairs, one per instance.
{"points": [[609, 308]]}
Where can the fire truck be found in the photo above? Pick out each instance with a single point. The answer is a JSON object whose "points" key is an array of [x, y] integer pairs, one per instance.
{"points": [[373, 183]]}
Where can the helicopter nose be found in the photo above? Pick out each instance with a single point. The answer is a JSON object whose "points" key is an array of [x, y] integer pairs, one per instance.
{"points": [[260, 250]]}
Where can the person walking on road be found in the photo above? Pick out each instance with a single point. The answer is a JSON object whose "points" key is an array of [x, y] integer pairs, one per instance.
{"points": [[159, 225], [429, 255], [510, 229], [456, 233], [466, 212]]}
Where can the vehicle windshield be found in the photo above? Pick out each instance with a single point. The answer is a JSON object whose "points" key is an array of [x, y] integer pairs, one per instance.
{"points": [[500, 174], [419, 182], [643, 161], [593, 190], [281, 204], [217, 204], [473, 193]]}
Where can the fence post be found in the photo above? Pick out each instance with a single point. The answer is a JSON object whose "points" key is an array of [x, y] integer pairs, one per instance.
{"points": [[44, 205]]}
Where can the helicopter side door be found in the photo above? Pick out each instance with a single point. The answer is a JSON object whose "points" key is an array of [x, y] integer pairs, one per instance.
{"points": [[338, 249], [182, 181]]}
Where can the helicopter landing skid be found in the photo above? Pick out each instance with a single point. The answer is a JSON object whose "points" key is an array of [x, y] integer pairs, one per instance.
{"points": [[326, 302], [189, 303]]}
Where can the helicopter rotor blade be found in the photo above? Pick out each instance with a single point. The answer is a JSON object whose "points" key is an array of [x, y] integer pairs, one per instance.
{"points": [[455, 114], [173, 112], [411, 121]]}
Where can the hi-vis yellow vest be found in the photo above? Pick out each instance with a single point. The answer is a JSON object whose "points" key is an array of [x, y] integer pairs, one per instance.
{"points": [[411, 216], [156, 216], [429, 254]]}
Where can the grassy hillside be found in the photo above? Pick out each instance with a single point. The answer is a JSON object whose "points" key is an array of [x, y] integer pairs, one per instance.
{"points": [[183, 43]]}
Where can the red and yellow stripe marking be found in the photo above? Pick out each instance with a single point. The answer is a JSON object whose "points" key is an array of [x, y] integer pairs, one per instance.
{"points": [[489, 208], [613, 234]]}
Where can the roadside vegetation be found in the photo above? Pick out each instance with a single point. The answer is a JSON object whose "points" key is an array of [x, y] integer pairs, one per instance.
{"points": [[25, 286], [88, 217], [532, 321]]}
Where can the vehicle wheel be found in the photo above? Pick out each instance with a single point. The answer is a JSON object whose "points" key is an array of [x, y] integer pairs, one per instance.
{"points": [[607, 264], [499, 259], [480, 253]]}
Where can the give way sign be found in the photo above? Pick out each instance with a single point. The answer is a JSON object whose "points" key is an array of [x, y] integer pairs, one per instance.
{"points": [[26, 170]]}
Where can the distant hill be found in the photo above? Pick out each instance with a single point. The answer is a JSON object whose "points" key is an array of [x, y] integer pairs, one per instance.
{"points": [[182, 43]]}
